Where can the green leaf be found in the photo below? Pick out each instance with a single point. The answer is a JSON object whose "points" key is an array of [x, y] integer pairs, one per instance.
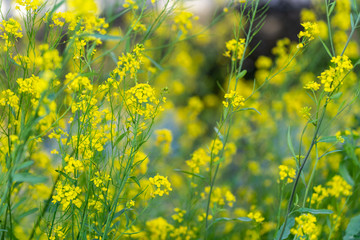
{"points": [[289, 224], [104, 37], [155, 63], [336, 96], [328, 139], [119, 138], [246, 109], [353, 229], [241, 219], [332, 6], [190, 173], [326, 48], [357, 63], [66, 176], [344, 173], [24, 165], [241, 74], [119, 213], [135, 180], [27, 213], [29, 178], [315, 211], [225, 219]]}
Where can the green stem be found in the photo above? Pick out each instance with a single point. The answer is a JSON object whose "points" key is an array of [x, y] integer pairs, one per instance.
{"points": [[313, 142]]}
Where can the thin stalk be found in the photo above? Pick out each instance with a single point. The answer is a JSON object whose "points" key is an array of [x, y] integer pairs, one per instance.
{"points": [[350, 35], [329, 27], [313, 142], [311, 176]]}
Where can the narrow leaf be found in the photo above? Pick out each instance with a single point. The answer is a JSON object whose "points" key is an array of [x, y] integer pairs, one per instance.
{"points": [[29, 178], [328, 139], [315, 211], [190, 173], [241, 74]]}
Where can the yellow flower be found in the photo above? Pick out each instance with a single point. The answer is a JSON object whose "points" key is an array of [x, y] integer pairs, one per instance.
{"points": [[82, 7], [306, 227], [310, 31], [256, 216], [287, 173], [235, 49], [164, 137], [7, 97], [235, 100], [333, 77], [199, 158], [160, 185], [312, 86]]}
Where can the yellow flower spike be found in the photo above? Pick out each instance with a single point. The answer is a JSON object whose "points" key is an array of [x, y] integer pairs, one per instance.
{"points": [[286, 173], [160, 185], [333, 77], [235, 49], [256, 216], [306, 227]]}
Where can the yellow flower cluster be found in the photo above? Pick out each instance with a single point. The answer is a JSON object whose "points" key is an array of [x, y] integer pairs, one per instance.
{"points": [[235, 49], [67, 195], [11, 30], [183, 21], [305, 112], [129, 63], [216, 146], [73, 165], [333, 77], [58, 234], [130, 4], [49, 58], [287, 173], [9, 98], [319, 194], [23, 61], [82, 7], [179, 216], [341, 19], [256, 216], [140, 100], [235, 100], [199, 158], [60, 18], [338, 187], [29, 4], [159, 228], [312, 86], [311, 31], [161, 185], [85, 23], [306, 227], [164, 137], [32, 86], [219, 196], [101, 179], [77, 83]]}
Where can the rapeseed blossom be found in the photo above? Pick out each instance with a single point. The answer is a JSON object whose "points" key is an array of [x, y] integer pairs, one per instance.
{"points": [[286, 173], [333, 77], [160, 185], [306, 227], [235, 49]]}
